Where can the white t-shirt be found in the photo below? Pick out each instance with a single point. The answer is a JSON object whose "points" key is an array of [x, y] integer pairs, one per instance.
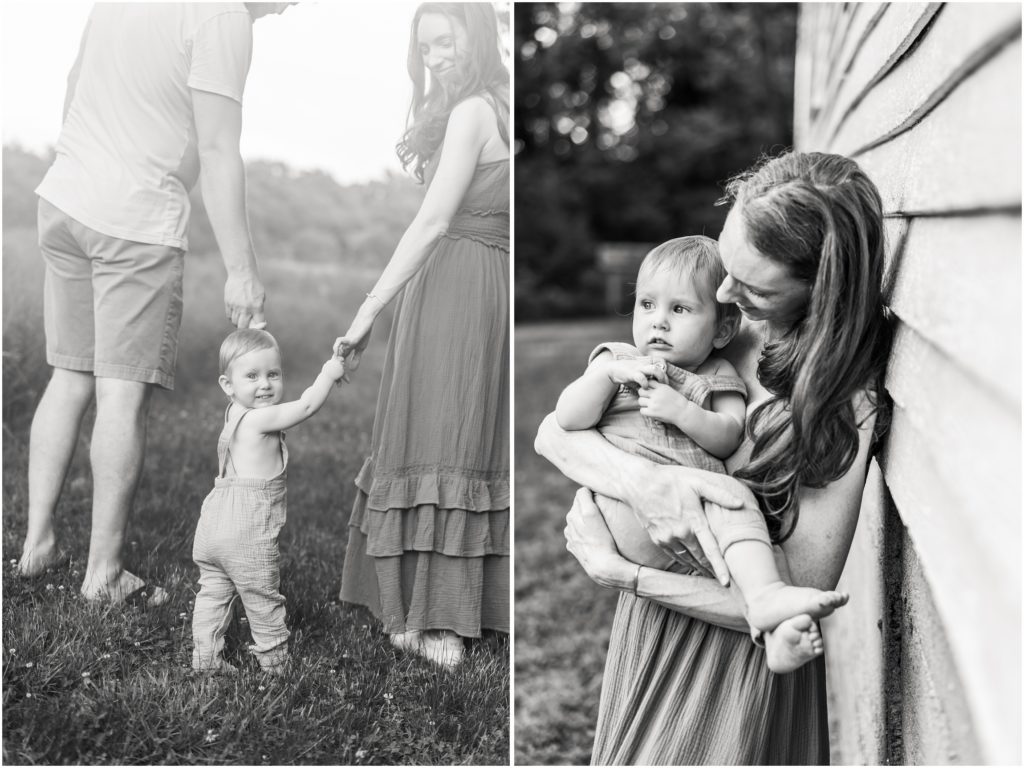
{"points": [[127, 155]]}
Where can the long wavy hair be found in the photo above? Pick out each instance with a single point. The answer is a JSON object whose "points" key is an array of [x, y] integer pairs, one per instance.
{"points": [[820, 216], [480, 72]]}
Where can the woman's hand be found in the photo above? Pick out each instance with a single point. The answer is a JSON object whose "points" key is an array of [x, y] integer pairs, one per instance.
{"points": [[588, 539], [671, 510], [351, 345]]}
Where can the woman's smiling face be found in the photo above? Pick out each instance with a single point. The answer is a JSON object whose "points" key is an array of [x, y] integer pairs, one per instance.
{"points": [[443, 44], [763, 289]]}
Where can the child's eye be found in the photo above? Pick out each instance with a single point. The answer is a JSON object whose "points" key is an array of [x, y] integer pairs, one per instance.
{"points": [[251, 376], [758, 294], [275, 374], [679, 309], [645, 304]]}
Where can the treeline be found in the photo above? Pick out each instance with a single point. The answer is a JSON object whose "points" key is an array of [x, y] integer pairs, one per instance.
{"points": [[629, 117], [296, 215]]}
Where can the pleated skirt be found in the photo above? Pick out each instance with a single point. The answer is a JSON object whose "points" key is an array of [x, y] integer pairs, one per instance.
{"points": [[429, 532], [678, 691]]}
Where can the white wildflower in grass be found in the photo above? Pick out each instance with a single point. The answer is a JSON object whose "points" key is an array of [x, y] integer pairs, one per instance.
{"points": [[360, 754], [30, 664], [49, 587], [182, 615], [13, 651], [28, 695], [262, 688], [389, 696], [105, 656], [61, 588], [14, 562], [85, 674], [137, 643], [331, 671], [211, 736]]}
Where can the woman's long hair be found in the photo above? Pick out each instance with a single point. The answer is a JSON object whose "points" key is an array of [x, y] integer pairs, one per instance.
{"points": [[820, 216], [480, 72]]}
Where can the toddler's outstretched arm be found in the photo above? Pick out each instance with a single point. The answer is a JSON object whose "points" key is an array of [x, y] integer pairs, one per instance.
{"points": [[286, 415]]}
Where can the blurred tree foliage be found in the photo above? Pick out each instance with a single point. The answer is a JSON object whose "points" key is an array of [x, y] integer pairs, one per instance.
{"points": [[299, 215], [629, 117]]}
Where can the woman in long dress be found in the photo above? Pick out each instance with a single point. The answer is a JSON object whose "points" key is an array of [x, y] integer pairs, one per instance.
{"points": [[428, 548], [683, 683]]}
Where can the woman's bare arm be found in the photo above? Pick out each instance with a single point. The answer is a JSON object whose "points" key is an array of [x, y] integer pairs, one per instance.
{"points": [[667, 499], [590, 542], [818, 548]]}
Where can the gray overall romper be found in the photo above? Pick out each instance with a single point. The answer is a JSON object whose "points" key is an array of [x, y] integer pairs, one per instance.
{"points": [[237, 553]]}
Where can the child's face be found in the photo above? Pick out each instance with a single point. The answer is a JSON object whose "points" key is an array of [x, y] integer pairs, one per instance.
{"points": [[255, 379], [674, 321]]}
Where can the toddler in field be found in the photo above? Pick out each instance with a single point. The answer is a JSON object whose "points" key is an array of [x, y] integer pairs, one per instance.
{"points": [[669, 398], [236, 545]]}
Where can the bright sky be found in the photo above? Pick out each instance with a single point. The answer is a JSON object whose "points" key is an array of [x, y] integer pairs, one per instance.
{"points": [[327, 88]]}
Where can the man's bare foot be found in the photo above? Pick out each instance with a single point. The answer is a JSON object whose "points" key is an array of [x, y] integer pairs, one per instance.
{"points": [[38, 556], [777, 602], [792, 644], [125, 586]]}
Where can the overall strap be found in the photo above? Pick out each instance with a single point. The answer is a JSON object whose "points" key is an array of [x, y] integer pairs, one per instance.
{"points": [[226, 436]]}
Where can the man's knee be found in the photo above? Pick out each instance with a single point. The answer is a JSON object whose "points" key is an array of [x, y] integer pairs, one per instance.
{"points": [[122, 396], [77, 386]]}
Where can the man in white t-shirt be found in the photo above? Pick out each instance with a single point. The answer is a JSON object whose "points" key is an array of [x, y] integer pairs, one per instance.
{"points": [[154, 103]]}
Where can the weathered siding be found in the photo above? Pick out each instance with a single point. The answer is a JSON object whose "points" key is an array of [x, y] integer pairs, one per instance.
{"points": [[925, 663]]}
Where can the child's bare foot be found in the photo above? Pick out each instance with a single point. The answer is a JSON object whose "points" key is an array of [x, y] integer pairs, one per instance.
{"points": [[123, 587], [792, 644], [219, 667], [777, 602], [38, 556]]}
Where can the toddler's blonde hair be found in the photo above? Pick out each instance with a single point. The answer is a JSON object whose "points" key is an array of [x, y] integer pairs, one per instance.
{"points": [[694, 257], [242, 342]]}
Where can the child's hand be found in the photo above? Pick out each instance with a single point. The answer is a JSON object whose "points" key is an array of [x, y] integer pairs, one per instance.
{"points": [[635, 372], [660, 402], [334, 368]]}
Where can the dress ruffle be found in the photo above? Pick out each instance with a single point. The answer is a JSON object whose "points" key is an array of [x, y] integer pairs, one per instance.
{"points": [[415, 486], [428, 528]]}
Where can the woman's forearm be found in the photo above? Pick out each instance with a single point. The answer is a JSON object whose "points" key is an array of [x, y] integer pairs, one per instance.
{"points": [[590, 460], [416, 244], [698, 597]]}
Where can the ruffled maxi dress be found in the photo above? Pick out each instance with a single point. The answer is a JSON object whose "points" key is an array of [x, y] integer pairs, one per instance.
{"points": [[429, 532]]}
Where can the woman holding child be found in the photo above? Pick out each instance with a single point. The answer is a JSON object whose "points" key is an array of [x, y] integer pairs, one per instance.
{"points": [[429, 535], [802, 249]]}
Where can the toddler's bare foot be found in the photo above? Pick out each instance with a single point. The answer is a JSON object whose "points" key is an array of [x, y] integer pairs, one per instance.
{"points": [[777, 602], [38, 556], [124, 586], [219, 667], [792, 644]]}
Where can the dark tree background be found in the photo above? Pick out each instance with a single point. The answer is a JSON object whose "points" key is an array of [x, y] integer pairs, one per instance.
{"points": [[629, 118]]}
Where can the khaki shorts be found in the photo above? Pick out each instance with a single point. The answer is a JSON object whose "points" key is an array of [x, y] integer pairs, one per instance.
{"points": [[110, 306]]}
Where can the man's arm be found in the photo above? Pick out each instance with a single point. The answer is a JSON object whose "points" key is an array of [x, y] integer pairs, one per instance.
{"points": [[218, 122]]}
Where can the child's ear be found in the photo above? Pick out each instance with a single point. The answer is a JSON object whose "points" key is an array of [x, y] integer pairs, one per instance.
{"points": [[726, 330], [225, 384]]}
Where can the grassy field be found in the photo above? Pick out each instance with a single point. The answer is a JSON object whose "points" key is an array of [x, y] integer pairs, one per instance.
{"points": [[103, 685], [562, 618]]}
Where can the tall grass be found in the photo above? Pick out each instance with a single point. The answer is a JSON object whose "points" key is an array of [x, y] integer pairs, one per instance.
{"points": [[562, 619], [112, 685]]}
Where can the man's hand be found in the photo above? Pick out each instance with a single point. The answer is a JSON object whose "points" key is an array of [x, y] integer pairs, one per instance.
{"points": [[243, 300]]}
